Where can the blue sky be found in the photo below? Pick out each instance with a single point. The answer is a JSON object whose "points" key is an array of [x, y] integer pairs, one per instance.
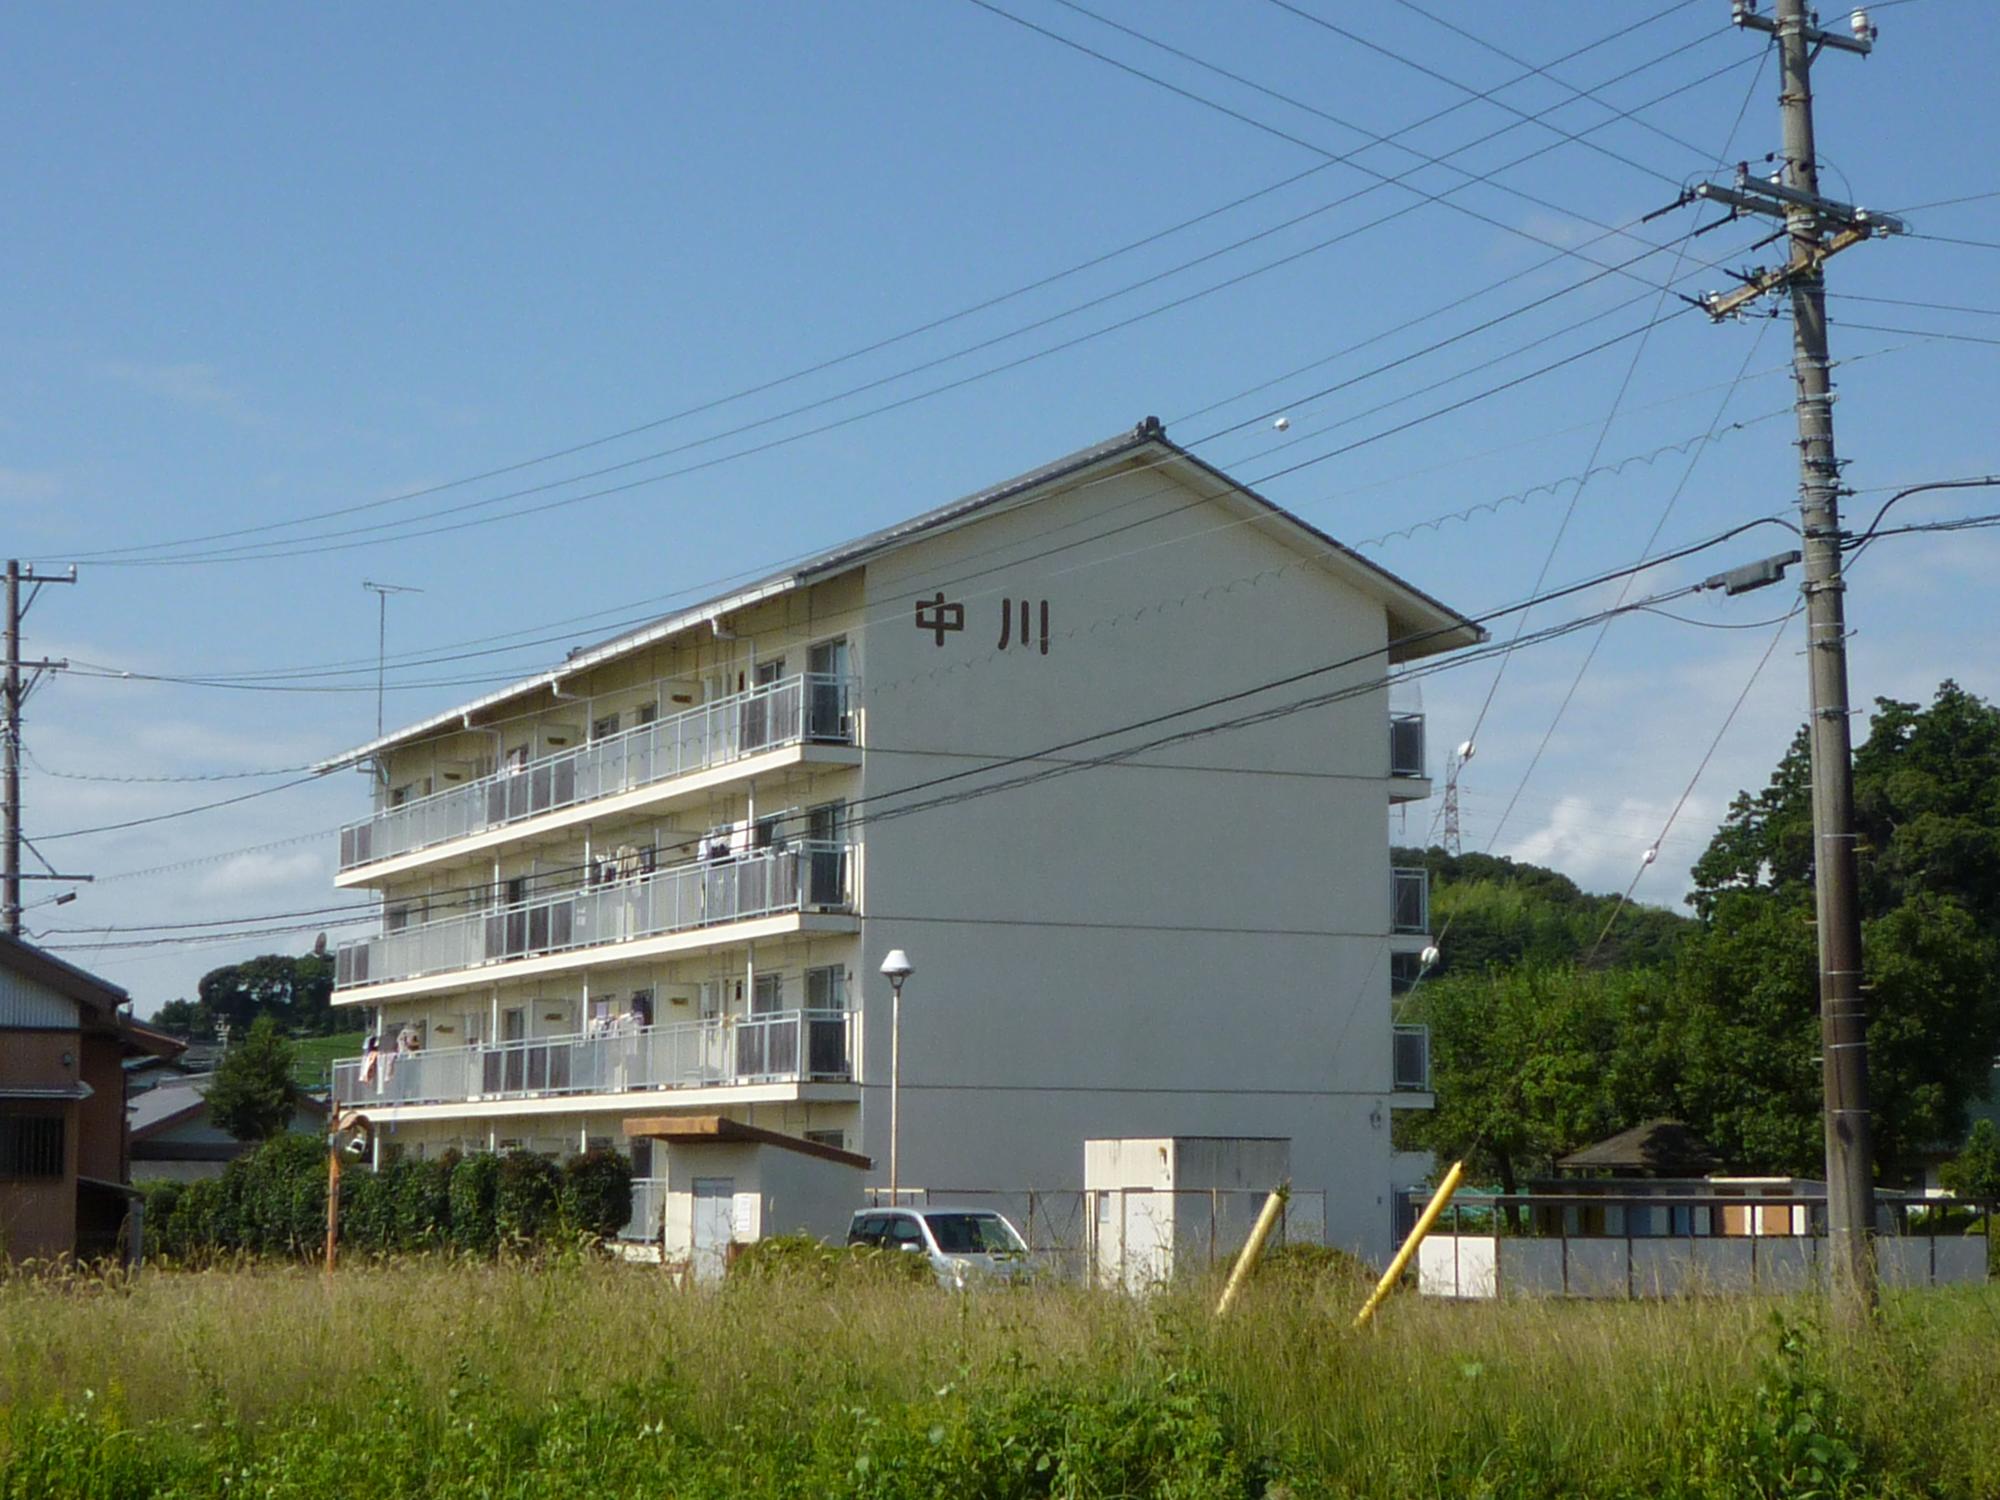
{"points": [[269, 263]]}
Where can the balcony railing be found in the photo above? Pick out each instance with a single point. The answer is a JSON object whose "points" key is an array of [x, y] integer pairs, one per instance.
{"points": [[811, 707], [1406, 744], [1410, 1062], [789, 1046], [1410, 909], [813, 875]]}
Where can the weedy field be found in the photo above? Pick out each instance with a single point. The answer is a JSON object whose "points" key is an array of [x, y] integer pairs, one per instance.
{"points": [[579, 1378]]}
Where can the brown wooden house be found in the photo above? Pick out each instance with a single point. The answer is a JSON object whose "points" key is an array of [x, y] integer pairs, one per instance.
{"points": [[64, 1153]]}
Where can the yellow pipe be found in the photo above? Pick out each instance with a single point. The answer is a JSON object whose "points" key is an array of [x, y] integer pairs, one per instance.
{"points": [[1253, 1248], [1422, 1227]]}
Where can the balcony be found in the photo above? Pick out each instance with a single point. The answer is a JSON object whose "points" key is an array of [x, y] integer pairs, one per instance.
{"points": [[792, 1046], [1410, 900], [813, 875], [1410, 1060], [812, 708]]}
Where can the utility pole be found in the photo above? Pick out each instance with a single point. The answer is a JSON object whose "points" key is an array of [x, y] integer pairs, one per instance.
{"points": [[15, 693], [1815, 229]]}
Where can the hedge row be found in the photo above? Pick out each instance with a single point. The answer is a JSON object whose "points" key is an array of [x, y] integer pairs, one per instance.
{"points": [[272, 1201]]}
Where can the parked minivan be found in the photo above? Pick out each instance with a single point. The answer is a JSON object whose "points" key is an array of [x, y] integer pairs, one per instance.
{"points": [[962, 1244]]}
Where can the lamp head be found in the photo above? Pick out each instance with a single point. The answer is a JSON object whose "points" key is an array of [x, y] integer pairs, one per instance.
{"points": [[897, 967]]}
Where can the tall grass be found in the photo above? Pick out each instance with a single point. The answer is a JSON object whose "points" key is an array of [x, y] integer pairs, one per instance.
{"points": [[447, 1378]]}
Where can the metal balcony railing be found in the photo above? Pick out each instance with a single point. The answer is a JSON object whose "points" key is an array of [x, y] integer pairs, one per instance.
{"points": [[813, 875], [1410, 1060], [788, 1046], [1406, 744], [1410, 906], [811, 707]]}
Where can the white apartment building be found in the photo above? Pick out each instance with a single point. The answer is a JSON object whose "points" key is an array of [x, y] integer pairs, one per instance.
{"points": [[660, 877]]}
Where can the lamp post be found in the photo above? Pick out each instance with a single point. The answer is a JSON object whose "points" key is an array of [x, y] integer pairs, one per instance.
{"points": [[897, 968]]}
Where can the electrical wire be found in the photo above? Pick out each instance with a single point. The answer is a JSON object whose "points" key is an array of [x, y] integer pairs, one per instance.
{"points": [[895, 339], [1653, 850], [1046, 754], [1490, 96], [291, 547]]}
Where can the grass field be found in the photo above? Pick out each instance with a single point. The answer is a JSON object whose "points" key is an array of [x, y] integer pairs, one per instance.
{"points": [[312, 1067], [583, 1378]]}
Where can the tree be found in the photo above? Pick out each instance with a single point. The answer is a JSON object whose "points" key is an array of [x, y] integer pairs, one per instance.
{"points": [[1975, 1172], [1502, 913], [251, 1093], [1927, 799], [298, 992], [1530, 1063], [183, 1018]]}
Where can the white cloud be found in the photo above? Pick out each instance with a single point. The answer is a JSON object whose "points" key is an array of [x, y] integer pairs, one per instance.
{"points": [[191, 384]]}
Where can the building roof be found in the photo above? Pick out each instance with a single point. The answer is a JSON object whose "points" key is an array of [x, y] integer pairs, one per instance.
{"points": [[98, 996], [1655, 1148], [1438, 627], [712, 1130], [182, 1099]]}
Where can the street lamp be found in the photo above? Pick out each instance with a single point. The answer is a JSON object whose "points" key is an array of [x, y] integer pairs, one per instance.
{"points": [[896, 968]]}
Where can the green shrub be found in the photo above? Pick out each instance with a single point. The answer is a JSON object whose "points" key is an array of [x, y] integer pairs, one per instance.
{"points": [[160, 1199], [801, 1259], [367, 1209], [278, 1193], [1304, 1265], [203, 1221], [525, 1197], [422, 1203], [596, 1194], [473, 1184]]}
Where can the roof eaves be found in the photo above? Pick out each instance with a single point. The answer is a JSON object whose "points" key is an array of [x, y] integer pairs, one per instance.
{"points": [[834, 560]]}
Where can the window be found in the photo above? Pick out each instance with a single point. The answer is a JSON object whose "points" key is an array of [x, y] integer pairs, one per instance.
{"points": [[834, 1138], [31, 1146], [1404, 971], [642, 1157], [973, 1234], [826, 988], [604, 728], [903, 1231], [769, 995]]}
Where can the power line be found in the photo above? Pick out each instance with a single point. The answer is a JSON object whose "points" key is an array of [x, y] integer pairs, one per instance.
{"points": [[1653, 850], [346, 510], [1045, 754]]}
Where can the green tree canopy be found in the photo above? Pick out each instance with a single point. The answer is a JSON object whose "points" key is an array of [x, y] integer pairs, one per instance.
{"points": [[1975, 1171], [1532, 1062], [251, 1093], [1927, 799], [296, 992]]}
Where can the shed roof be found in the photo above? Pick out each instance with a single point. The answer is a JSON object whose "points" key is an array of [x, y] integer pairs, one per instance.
{"points": [[1654, 1148], [1413, 613], [712, 1130]]}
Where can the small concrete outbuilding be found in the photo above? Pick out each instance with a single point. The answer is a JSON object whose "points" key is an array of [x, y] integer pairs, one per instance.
{"points": [[1166, 1205], [728, 1184]]}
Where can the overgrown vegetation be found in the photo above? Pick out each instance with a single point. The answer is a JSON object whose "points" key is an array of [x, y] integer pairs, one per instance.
{"points": [[450, 1377], [272, 1202], [1553, 1025]]}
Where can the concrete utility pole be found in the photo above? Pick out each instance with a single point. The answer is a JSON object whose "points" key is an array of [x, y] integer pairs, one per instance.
{"points": [[1793, 195], [15, 693]]}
